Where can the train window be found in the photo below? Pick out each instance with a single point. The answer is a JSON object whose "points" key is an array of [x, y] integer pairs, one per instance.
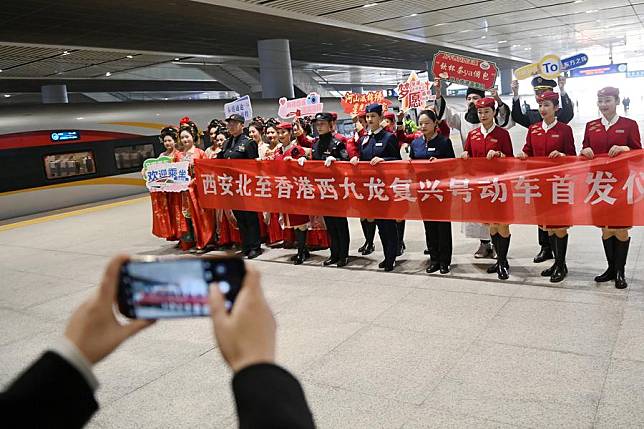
{"points": [[69, 164], [129, 157]]}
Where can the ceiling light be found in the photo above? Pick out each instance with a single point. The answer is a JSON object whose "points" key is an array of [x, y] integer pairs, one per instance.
{"points": [[465, 31], [592, 10], [483, 37], [516, 46], [370, 4], [578, 1], [7, 95], [0, 70], [176, 59], [413, 14], [79, 118], [108, 74], [129, 56], [440, 24], [65, 53], [527, 49], [502, 41]]}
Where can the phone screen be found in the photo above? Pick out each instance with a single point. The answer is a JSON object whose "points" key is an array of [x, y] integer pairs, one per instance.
{"points": [[170, 288]]}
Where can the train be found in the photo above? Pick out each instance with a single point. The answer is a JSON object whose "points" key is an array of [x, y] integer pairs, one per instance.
{"points": [[65, 155]]}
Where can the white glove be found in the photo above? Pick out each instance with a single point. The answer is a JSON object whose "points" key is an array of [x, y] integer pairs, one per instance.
{"points": [[301, 160], [328, 161]]}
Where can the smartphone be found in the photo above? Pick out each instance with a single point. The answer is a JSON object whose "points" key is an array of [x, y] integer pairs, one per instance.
{"points": [[162, 288]]}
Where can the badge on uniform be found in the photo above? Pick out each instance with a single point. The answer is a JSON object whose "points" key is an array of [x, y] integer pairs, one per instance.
{"points": [[241, 148], [379, 144], [620, 131], [555, 136], [494, 140]]}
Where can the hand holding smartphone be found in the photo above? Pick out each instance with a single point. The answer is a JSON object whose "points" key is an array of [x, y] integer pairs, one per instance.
{"points": [[160, 288]]}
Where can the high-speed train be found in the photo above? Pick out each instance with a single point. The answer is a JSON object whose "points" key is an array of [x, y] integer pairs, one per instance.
{"points": [[57, 156]]}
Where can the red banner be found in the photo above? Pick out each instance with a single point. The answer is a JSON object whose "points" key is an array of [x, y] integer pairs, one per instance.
{"points": [[354, 102], [463, 70], [562, 191]]}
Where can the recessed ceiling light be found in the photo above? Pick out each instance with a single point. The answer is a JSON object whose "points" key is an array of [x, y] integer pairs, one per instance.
{"points": [[527, 49], [516, 46], [370, 4], [176, 59], [79, 118], [65, 53], [465, 31], [129, 56], [440, 24], [502, 41], [592, 10], [413, 14], [7, 95], [578, 1], [0, 70], [483, 37], [108, 74]]}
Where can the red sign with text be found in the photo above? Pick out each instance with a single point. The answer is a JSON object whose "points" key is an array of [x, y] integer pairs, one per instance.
{"points": [[353, 102], [563, 191], [468, 71]]}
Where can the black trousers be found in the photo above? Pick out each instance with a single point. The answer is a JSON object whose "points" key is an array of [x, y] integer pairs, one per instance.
{"points": [[338, 229], [248, 224], [439, 241], [388, 232]]}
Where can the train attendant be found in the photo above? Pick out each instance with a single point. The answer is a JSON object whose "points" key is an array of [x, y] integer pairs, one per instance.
{"points": [[464, 122], [238, 146], [491, 142], [164, 224], [612, 134], [292, 151], [200, 221], [376, 147], [430, 146], [553, 139], [267, 152], [328, 149]]}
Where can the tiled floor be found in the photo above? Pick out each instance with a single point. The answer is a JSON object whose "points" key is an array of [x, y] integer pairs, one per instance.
{"points": [[394, 350]]}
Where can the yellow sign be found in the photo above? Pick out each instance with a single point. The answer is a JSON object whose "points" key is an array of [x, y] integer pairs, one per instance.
{"points": [[548, 67]]}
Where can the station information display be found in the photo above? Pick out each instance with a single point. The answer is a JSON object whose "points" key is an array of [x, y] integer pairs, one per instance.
{"points": [[66, 135]]}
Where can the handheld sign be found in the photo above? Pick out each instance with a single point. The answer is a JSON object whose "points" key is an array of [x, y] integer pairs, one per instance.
{"points": [[550, 66], [167, 177], [414, 92], [241, 106], [575, 61], [306, 106], [469, 71], [160, 160], [355, 103]]}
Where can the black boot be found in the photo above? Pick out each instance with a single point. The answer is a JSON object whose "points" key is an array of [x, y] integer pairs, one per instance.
{"points": [[561, 270], [302, 252], [495, 242], [621, 253], [546, 251], [609, 251], [503, 268], [369, 230], [553, 245]]}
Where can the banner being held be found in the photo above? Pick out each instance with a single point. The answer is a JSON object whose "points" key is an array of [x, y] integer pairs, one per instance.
{"points": [[355, 103], [167, 177], [241, 106], [463, 70], [541, 191], [414, 92], [305, 106]]}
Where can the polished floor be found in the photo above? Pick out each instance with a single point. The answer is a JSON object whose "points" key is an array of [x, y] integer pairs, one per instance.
{"points": [[372, 349]]}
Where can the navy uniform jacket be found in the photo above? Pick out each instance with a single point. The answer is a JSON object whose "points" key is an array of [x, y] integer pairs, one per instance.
{"points": [[438, 147], [53, 394], [565, 113], [327, 145], [382, 144], [240, 147]]}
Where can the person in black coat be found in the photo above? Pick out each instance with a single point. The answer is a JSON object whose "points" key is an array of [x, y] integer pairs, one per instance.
{"points": [[376, 147], [57, 391], [239, 146], [431, 146], [328, 148], [531, 116]]}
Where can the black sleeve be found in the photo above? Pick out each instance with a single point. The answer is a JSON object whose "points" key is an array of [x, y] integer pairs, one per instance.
{"points": [[50, 393], [567, 112], [340, 152], [448, 151], [252, 150], [268, 396], [517, 114], [441, 110], [392, 151]]}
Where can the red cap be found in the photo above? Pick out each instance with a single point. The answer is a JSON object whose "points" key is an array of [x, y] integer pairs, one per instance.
{"points": [[548, 95], [362, 115], [334, 115], [485, 102], [284, 126], [391, 116], [609, 91]]}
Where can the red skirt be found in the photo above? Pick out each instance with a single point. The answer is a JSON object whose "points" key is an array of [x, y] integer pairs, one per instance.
{"points": [[275, 231], [228, 232], [162, 225], [203, 220]]}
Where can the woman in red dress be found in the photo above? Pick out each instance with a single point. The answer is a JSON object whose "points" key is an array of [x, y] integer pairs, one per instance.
{"points": [[553, 139], [612, 134], [200, 221], [491, 142], [267, 152]]}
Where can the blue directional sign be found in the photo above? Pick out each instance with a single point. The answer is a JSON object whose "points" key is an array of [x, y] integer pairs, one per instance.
{"points": [[61, 136], [575, 61], [598, 70], [635, 73]]}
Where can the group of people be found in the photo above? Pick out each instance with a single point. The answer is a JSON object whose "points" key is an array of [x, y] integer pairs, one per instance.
{"points": [[381, 136]]}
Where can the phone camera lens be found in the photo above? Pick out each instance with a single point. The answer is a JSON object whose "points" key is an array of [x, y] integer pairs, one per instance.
{"points": [[221, 269], [224, 287]]}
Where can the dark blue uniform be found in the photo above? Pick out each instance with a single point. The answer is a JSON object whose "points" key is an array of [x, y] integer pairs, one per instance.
{"points": [[384, 145], [438, 235], [337, 227]]}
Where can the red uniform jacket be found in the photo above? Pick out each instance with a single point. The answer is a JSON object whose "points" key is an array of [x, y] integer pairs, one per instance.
{"points": [[542, 143], [623, 133], [295, 151], [478, 146], [305, 140]]}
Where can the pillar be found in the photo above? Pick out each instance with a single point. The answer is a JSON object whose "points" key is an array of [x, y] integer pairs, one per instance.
{"points": [[275, 72], [51, 94], [506, 82]]}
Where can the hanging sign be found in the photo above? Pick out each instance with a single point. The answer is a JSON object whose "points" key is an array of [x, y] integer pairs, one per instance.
{"points": [[355, 103], [306, 106], [599, 70], [241, 106], [414, 92], [468, 71]]}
